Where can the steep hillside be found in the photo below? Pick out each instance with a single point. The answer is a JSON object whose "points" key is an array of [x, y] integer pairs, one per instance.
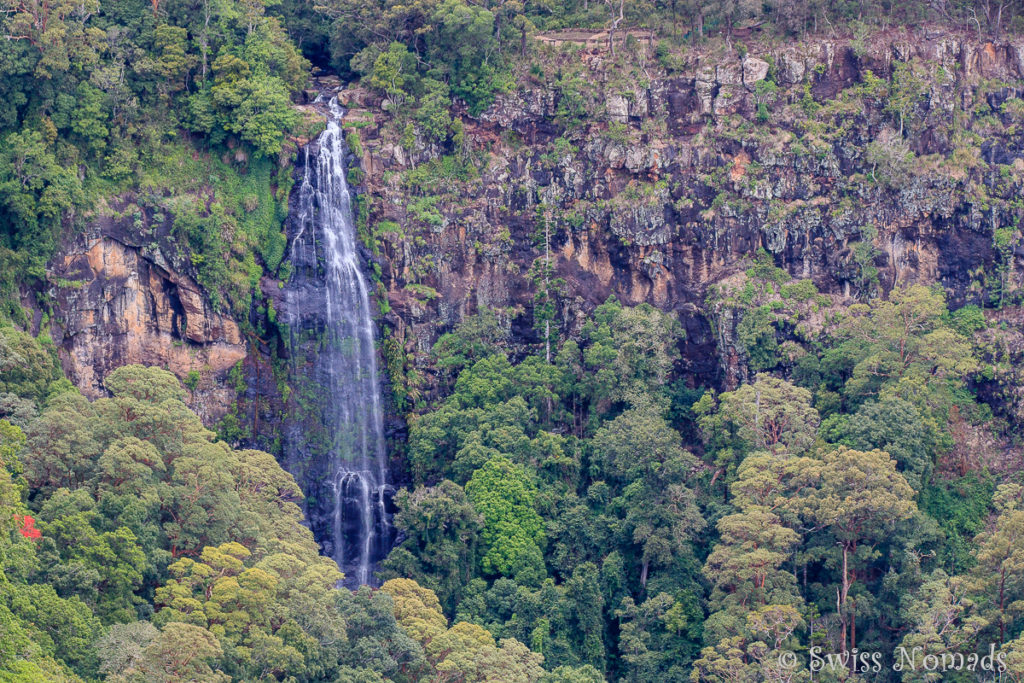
{"points": [[894, 162], [694, 340], [659, 181]]}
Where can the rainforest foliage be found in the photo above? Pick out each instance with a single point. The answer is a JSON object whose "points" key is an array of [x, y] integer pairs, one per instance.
{"points": [[585, 519], [99, 98], [610, 517], [135, 547], [578, 510], [122, 101]]}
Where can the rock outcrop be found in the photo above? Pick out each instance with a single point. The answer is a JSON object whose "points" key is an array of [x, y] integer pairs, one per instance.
{"points": [[661, 190], [117, 304], [656, 181]]}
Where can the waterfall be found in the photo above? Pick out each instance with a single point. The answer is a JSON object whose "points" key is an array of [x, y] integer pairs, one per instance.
{"points": [[328, 309]]}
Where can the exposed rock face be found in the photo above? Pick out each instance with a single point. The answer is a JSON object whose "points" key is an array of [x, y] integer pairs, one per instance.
{"points": [[754, 70], [117, 304], [698, 184], [660, 213]]}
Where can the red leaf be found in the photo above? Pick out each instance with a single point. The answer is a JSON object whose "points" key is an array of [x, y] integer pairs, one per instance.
{"points": [[28, 527]]}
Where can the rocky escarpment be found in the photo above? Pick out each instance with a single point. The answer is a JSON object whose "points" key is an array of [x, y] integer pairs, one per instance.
{"points": [[119, 301], [857, 165]]}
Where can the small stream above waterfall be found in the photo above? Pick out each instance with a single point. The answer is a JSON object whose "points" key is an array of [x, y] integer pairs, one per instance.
{"points": [[334, 444]]}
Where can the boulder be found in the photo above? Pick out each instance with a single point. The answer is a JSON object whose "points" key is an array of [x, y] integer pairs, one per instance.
{"points": [[754, 70], [618, 108], [729, 74]]}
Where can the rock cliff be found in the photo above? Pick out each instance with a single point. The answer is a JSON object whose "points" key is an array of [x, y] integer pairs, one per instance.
{"points": [[858, 165], [118, 301]]}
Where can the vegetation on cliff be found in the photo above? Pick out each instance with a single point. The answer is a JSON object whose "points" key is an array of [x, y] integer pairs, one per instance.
{"points": [[582, 505], [101, 99]]}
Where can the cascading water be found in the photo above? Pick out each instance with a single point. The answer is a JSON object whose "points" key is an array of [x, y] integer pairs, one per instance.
{"points": [[348, 495]]}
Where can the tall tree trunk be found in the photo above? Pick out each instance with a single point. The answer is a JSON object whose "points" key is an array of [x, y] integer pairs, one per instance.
{"points": [[853, 625], [1002, 604], [547, 287], [844, 591], [204, 39], [497, 30], [614, 22]]}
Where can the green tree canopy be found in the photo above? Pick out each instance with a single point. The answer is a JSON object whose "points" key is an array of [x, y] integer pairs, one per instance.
{"points": [[513, 532]]}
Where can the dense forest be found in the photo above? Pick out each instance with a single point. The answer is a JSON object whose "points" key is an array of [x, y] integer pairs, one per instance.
{"points": [[584, 494]]}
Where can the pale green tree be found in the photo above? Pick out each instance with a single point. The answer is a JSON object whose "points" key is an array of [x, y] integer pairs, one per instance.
{"points": [[859, 497]]}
